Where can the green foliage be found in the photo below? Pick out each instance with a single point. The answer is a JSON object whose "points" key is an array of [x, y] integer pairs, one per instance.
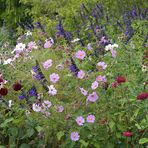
{"points": [[117, 110]]}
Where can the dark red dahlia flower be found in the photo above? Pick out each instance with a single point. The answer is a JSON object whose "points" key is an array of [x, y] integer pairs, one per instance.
{"points": [[127, 134], [120, 79], [3, 91], [17, 86], [142, 96]]}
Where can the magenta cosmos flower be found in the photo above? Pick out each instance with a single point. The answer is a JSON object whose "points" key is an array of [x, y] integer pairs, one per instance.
{"points": [[74, 136], [92, 97], [47, 64], [80, 120], [81, 74], [54, 78], [90, 119], [80, 54], [127, 134]]}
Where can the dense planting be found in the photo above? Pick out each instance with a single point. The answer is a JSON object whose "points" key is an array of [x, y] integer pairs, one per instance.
{"points": [[78, 86]]}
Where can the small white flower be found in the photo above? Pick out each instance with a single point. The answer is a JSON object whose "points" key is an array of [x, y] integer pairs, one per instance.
{"points": [[144, 68], [75, 40], [28, 33], [108, 47], [115, 46], [51, 40], [111, 47], [8, 61], [27, 112], [10, 103]]}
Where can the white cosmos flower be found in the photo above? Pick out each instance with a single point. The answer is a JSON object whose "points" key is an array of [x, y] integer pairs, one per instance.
{"points": [[75, 40], [28, 33], [46, 104], [115, 46], [36, 107], [52, 91], [8, 61], [10, 103], [20, 47], [111, 47]]}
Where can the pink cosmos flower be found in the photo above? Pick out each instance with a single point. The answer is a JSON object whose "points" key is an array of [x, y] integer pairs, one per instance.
{"points": [[90, 119], [80, 120], [80, 54], [46, 104], [46, 114], [59, 108], [89, 47], [114, 53], [32, 45], [102, 65], [74, 136], [54, 78], [83, 91], [48, 44], [81, 74], [92, 97], [47, 64], [94, 85], [101, 79]]}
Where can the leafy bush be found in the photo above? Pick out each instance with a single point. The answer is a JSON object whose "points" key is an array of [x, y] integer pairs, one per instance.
{"points": [[85, 87]]}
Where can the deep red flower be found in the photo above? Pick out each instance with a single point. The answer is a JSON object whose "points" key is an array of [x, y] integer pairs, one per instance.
{"points": [[17, 86], [114, 84], [3, 91], [142, 96], [127, 134], [121, 79]]}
